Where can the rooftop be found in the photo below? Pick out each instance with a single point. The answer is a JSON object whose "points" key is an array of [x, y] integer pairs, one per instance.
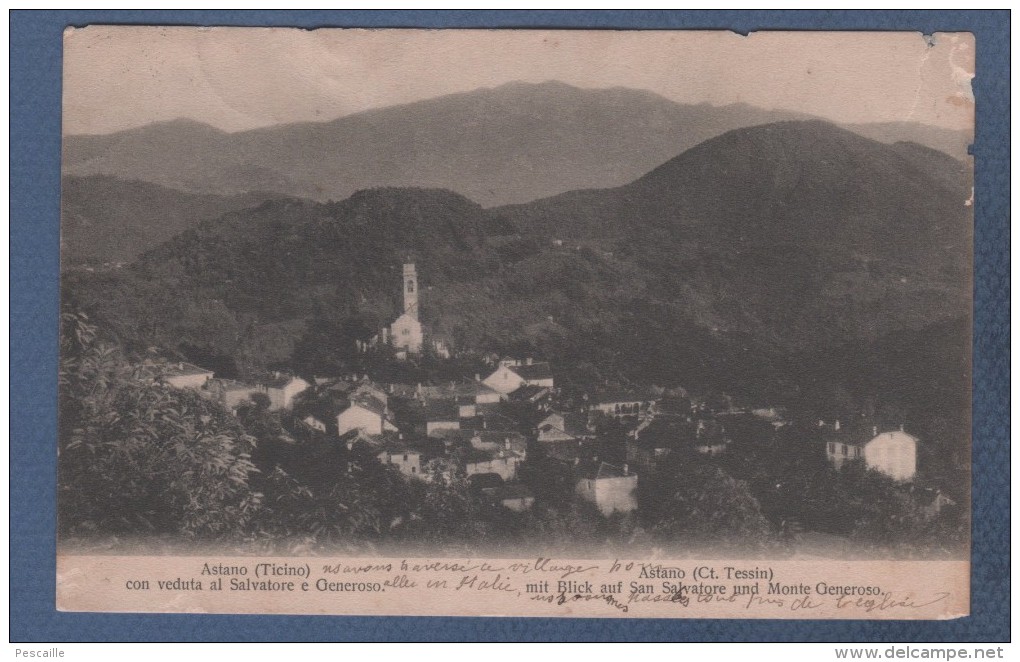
{"points": [[674, 406], [230, 385], [600, 470], [325, 408], [859, 434], [370, 402], [624, 395], [489, 421], [277, 380], [454, 390], [510, 491], [499, 437], [533, 371], [181, 368], [396, 447], [574, 423], [471, 455], [856, 431], [665, 432], [357, 434], [528, 392], [444, 409]]}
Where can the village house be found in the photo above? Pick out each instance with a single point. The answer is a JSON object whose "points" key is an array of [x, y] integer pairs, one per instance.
{"points": [[623, 402], [469, 408], [483, 394], [612, 489], [502, 463], [710, 437], [486, 440], [475, 390], [893, 452], [407, 414], [403, 457], [320, 414], [568, 451], [646, 455], [316, 423], [774, 415], [365, 413], [488, 417], [564, 426], [515, 497], [511, 375], [358, 437], [531, 394], [397, 390], [932, 501], [653, 440], [363, 387], [230, 393], [282, 388], [441, 415], [186, 375], [440, 348], [676, 406], [466, 407], [454, 438]]}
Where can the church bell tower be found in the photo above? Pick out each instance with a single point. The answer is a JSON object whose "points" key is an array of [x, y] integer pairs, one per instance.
{"points": [[410, 290]]}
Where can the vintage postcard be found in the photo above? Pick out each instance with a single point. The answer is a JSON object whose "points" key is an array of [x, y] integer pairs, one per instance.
{"points": [[516, 323]]}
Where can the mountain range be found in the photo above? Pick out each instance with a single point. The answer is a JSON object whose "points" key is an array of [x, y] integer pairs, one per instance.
{"points": [[720, 266], [511, 144], [794, 222], [108, 220]]}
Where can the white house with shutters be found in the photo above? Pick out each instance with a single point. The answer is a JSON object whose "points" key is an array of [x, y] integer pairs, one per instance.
{"points": [[893, 452]]}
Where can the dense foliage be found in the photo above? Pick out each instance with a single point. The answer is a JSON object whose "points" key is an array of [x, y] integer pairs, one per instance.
{"points": [[139, 457]]}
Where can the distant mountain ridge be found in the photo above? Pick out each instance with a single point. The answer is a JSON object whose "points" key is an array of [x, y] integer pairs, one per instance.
{"points": [[510, 144], [109, 220]]}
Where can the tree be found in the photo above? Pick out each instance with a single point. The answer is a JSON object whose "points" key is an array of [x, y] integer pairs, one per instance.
{"points": [[550, 480], [796, 485], [704, 505], [884, 514], [341, 515], [447, 511], [322, 496], [137, 456]]}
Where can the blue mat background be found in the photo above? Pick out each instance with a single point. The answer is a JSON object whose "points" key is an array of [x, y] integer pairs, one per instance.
{"points": [[35, 49]]}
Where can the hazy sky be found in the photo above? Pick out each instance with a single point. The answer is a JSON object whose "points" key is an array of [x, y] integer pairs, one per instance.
{"points": [[242, 78]]}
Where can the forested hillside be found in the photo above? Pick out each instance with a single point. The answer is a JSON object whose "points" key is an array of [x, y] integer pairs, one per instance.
{"points": [[717, 268]]}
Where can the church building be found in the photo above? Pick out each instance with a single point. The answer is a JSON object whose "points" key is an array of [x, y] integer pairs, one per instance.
{"points": [[406, 331]]}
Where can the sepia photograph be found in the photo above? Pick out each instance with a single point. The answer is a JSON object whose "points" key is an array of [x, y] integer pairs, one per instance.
{"points": [[516, 322]]}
